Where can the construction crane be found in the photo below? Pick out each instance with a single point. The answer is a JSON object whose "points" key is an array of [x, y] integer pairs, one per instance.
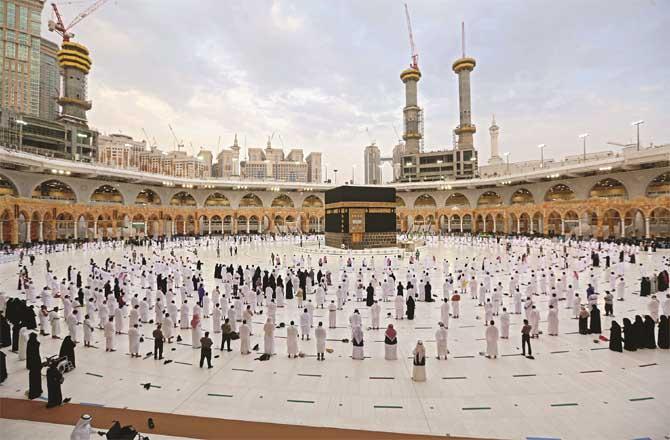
{"points": [[178, 144], [618, 144], [282, 141], [415, 56], [396, 133], [59, 27], [372, 141], [146, 138]]}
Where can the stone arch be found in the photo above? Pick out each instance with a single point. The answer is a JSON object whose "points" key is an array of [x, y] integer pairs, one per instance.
{"points": [[554, 223], [65, 226], [634, 223], [499, 223], [457, 200], [467, 223], [254, 224], [659, 223], [312, 201], [8, 224], [521, 197], [537, 223], [148, 197], [488, 199], [559, 192], [399, 202], [282, 201], [216, 224], [612, 223], [182, 198], [217, 200], [659, 186], [524, 223], [227, 224], [588, 223], [571, 223], [106, 194], [53, 189], [251, 200], [608, 188], [425, 201], [7, 187]]}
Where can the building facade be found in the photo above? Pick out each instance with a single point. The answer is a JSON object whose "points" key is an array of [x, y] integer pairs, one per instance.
{"points": [[372, 164], [49, 80], [272, 164]]}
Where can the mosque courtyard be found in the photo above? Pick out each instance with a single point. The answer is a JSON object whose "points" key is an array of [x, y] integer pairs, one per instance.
{"points": [[575, 388]]}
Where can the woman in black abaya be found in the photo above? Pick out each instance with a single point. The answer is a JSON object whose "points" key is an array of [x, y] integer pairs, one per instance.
{"points": [[5, 332], [628, 336], [34, 365], [615, 337], [410, 307], [54, 381], [67, 349], [649, 332], [663, 333], [595, 320], [638, 332]]}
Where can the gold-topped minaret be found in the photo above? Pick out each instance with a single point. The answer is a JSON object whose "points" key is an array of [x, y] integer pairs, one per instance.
{"points": [[462, 67]]}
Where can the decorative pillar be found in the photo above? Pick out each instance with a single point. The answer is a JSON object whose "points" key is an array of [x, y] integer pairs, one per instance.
{"points": [[623, 227], [15, 231], [579, 227], [247, 226], [183, 227], [518, 225], [2, 232], [75, 227], [531, 225], [40, 231], [647, 229], [562, 227], [461, 218], [209, 226], [146, 228], [449, 225], [29, 231], [495, 226], [95, 230]]}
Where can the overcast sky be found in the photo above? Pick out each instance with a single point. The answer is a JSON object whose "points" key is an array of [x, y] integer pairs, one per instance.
{"points": [[318, 73]]}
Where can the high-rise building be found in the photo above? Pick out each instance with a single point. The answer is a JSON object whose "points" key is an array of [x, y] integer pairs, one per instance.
{"points": [[20, 55], [120, 150], [372, 163], [271, 164], [49, 80], [228, 161], [313, 161], [466, 129], [206, 157]]}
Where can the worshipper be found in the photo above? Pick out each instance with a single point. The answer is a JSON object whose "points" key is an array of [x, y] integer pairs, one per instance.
{"points": [[399, 305], [226, 334], [428, 289], [649, 332], [5, 332], [23, 341], [216, 319], [638, 332], [369, 300], [134, 341], [375, 312], [269, 337], [615, 337], [320, 335], [390, 344], [492, 336], [82, 430], [88, 331], [3, 366], [54, 381], [583, 321], [355, 319], [34, 365], [67, 350], [159, 340], [292, 340], [196, 331], [410, 307], [594, 324], [332, 315], [609, 304], [456, 305], [444, 312], [357, 343], [441, 341], [504, 324], [44, 320], [552, 321], [419, 363], [663, 333], [304, 324], [525, 339], [628, 336], [206, 350], [245, 338], [54, 320], [653, 307], [109, 335], [534, 319]]}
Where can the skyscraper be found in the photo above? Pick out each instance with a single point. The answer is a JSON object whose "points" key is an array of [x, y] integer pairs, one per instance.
{"points": [[49, 80], [20, 55], [372, 163]]}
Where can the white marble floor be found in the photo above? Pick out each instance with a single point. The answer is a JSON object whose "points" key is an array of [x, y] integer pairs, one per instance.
{"points": [[574, 389]]}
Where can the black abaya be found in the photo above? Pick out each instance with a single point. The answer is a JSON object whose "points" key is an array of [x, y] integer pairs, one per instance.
{"points": [[34, 365], [371, 296], [429, 290], [595, 320], [649, 332], [54, 380], [628, 336], [3, 367], [615, 337], [15, 336], [5, 333], [584, 326], [67, 349], [410, 307], [663, 333], [638, 332]]}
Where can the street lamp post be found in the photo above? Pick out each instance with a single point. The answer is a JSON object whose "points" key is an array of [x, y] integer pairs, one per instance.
{"points": [[21, 123], [326, 166], [335, 171], [541, 147], [583, 137], [353, 174], [637, 125]]}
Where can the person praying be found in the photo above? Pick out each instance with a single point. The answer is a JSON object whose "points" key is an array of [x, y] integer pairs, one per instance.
{"points": [[419, 363], [492, 336], [390, 344], [320, 336]]}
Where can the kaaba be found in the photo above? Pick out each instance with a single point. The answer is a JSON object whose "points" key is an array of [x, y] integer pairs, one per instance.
{"points": [[360, 217]]}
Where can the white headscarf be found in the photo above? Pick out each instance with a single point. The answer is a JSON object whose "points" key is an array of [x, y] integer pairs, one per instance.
{"points": [[82, 430]]}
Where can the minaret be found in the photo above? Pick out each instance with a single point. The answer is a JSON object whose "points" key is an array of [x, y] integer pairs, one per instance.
{"points": [[494, 131], [75, 63], [411, 112], [462, 67]]}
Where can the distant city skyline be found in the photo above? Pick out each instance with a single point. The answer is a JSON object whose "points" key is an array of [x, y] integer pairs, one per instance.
{"points": [[321, 73]]}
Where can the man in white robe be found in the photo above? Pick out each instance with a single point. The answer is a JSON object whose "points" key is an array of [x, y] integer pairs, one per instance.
{"points": [[375, 312], [492, 336], [216, 319], [552, 321], [292, 340], [245, 338], [54, 320], [304, 325], [444, 312], [441, 341], [399, 307], [88, 331], [109, 334], [268, 338], [355, 319], [320, 336], [504, 324], [332, 315], [72, 323], [134, 341]]}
